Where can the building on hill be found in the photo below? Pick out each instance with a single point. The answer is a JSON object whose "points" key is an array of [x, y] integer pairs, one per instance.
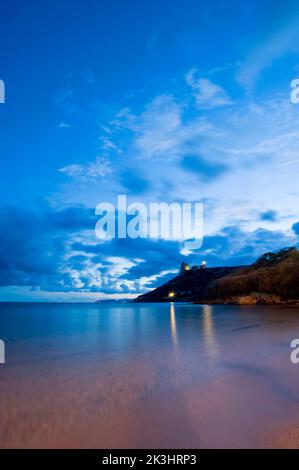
{"points": [[186, 267]]}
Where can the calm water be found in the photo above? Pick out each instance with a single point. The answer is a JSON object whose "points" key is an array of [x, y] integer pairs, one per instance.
{"points": [[147, 375]]}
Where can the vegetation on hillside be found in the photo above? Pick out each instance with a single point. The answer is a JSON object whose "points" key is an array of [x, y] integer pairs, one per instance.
{"points": [[274, 277]]}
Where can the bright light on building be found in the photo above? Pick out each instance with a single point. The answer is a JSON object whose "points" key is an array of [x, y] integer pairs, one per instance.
{"points": [[171, 295]]}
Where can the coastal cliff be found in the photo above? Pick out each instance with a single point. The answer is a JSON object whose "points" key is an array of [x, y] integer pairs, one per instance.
{"points": [[189, 286], [272, 279]]}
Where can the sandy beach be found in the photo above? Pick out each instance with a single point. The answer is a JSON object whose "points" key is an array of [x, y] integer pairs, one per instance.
{"points": [[189, 377]]}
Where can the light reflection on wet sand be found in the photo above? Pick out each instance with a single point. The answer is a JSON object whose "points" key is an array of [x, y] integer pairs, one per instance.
{"points": [[173, 324], [152, 376], [209, 331]]}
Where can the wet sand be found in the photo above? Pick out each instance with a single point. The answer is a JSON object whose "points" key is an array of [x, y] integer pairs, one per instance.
{"points": [[233, 388], [128, 407]]}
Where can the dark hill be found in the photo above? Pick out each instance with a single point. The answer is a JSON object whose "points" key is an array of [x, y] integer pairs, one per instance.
{"points": [[188, 286], [272, 279]]}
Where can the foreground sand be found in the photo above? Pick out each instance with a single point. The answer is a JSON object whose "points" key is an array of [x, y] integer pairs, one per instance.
{"points": [[128, 406], [209, 381]]}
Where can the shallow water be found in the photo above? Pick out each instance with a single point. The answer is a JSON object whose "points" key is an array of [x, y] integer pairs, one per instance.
{"points": [[147, 375]]}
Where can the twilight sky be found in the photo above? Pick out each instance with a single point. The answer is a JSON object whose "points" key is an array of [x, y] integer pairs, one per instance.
{"points": [[167, 101]]}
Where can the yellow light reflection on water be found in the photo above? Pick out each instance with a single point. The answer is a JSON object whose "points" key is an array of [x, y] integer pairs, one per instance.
{"points": [[209, 331], [173, 328]]}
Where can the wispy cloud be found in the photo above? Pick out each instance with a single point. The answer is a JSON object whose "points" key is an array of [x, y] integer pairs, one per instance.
{"points": [[162, 131], [283, 41], [206, 93], [237, 155], [64, 125], [108, 145], [100, 167]]}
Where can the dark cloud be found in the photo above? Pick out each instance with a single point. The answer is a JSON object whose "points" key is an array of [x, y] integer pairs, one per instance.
{"points": [[36, 246], [269, 216], [38, 249], [233, 246], [133, 182], [33, 244], [204, 169], [158, 255], [295, 228]]}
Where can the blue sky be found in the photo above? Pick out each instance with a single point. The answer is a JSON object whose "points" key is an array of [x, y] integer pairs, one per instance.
{"points": [[172, 101]]}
